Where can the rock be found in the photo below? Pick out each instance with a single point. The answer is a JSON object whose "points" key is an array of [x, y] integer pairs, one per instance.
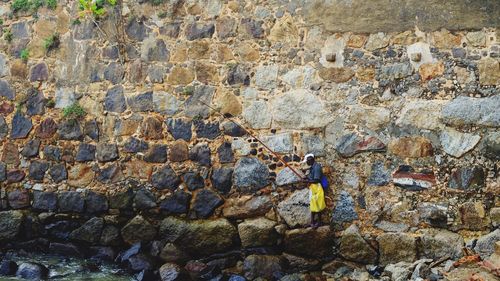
{"points": [[10, 154], [495, 216], [165, 177], [110, 235], [377, 41], [485, 245], [44, 201], [111, 173], [266, 76], [195, 31], [399, 271], [155, 50], [30, 149], [70, 201], [412, 147], [439, 243], [46, 129], [193, 105], [64, 97], [472, 111], [96, 202], [299, 109], [444, 39], [344, 210], [134, 145], [193, 181], [181, 75], [473, 215], [237, 75], [257, 114], [4, 128], [207, 130], [58, 172], [467, 178], [269, 267], [14, 176], [354, 248], [250, 174], [280, 143], [39, 72], [312, 144], [114, 73], [3, 171], [144, 199], [379, 175], [137, 30], [433, 214], [106, 152], [177, 203], [205, 202], [80, 175], [35, 103], [152, 128], [10, 224], [69, 130], [491, 145], [37, 170], [89, 232], [201, 153], [171, 272], [456, 143], [395, 71], [86, 152], [19, 198], [180, 129], [140, 262], [32, 271], [422, 114], [165, 103], [353, 143], [430, 71], [225, 153], [114, 100], [396, 247], [141, 102], [246, 206], [295, 209], [138, 229], [20, 127], [228, 103], [297, 241], [6, 90], [286, 177], [157, 153], [172, 253], [65, 249], [222, 179], [257, 232], [489, 69], [52, 152], [8, 268], [406, 178]]}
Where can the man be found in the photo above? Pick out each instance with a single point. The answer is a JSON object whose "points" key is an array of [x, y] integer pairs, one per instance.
{"points": [[316, 194]]}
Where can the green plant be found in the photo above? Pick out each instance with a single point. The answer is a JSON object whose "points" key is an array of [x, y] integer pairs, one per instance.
{"points": [[7, 35], [74, 111], [50, 103], [24, 55], [20, 5], [76, 21], [52, 4], [95, 8], [162, 15], [51, 42], [189, 90], [157, 2], [36, 4], [1, 21]]}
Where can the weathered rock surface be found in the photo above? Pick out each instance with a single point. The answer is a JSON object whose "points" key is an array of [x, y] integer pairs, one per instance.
{"points": [[472, 111], [250, 174], [138, 229], [396, 247], [257, 232], [436, 243], [10, 224], [295, 209], [353, 247]]}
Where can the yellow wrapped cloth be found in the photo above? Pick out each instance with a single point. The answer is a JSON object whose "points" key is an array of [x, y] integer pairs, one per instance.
{"points": [[317, 198]]}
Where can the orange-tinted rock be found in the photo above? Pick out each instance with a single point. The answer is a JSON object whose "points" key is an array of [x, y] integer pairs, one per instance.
{"points": [[152, 128], [179, 151], [138, 169], [14, 176], [431, 70], [336, 74], [356, 41], [206, 73], [80, 175], [18, 69], [6, 108], [10, 154], [412, 147], [46, 129], [444, 39], [365, 74], [181, 76]]}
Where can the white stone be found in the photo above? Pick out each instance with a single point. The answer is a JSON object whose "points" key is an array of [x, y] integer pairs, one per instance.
{"points": [[287, 176], [4, 69], [333, 46], [257, 114], [423, 114], [295, 209], [166, 103], [266, 76], [241, 147], [457, 143], [249, 93], [376, 41], [301, 77], [64, 97], [334, 131], [310, 143], [425, 54], [371, 117], [299, 109], [280, 143], [476, 39]]}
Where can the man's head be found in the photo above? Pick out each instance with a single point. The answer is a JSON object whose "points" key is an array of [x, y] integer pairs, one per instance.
{"points": [[309, 159]]}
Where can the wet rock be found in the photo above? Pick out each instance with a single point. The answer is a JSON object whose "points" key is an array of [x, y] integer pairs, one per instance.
{"points": [[39, 72], [165, 177], [439, 243], [6, 91], [180, 128], [157, 153], [114, 73], [467, 178], [144, 199], [225, 153], [52, 153], [485, 245], [177, 203], [472, 111], [140, 262], [354, 248], [138, 229], [354, 143], [121, 200], [114, 100], [257, 233], [106, 152], [250, 174], [297, 241], [44, 201], [295, 209], [344, 210], [32, 271], [110, 235], [89, 232], [193, 106], [70, 201], [134, 145], [10, 154], [171, 272], [396, 247], [37, 170], [406, 178], [222, 179], [172, 253], [201, 153], [30, 149], [8, 268], [10, 224], [269, 267], [205, 202], [151, 128], [19, 198], [20, 127], [96, 202], [198, 30], [46, 129], [65, 249], [141, 102], [193, 181], [179, 151], [70, 130], [86, 152], [413, 147]]}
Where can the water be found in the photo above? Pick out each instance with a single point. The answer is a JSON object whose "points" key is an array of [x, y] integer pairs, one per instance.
{"points": [[71, 269]]}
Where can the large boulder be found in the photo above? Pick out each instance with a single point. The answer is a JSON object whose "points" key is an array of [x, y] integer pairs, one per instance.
{"points": [[439, 243], [344, 210], [138, 229], [247, 206], [309, 241], [10, 224], [485, 245], [295, 209], [354, 248], [171, 272], [32, 271], [250, 174], [257, 232], [90, 231], [472, 111], [396, 247], [268, 267]]}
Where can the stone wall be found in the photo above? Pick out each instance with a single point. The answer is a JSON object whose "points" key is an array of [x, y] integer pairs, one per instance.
{"points": [[404, 120]]}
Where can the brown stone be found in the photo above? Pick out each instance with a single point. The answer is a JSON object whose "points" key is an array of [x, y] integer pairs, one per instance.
{"points": [[46, 129], [18, 69], [356, 40], [473, 216], [248, 51], [297, 241], [227, 102], [224, 54], [284, 30], [404, 38], [126, 127], [247, 206], [179, 54], [396, 247], [430, 70], [206, 73], [6, 108], [412, 147], [152, 128], [19, 198], [80, 175], [365, 74], [179, 151], [180, 76], [489, 72], [10, 154], [14, 176], [199, 50], [138, 169], [444, 39], [336, 74]]}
